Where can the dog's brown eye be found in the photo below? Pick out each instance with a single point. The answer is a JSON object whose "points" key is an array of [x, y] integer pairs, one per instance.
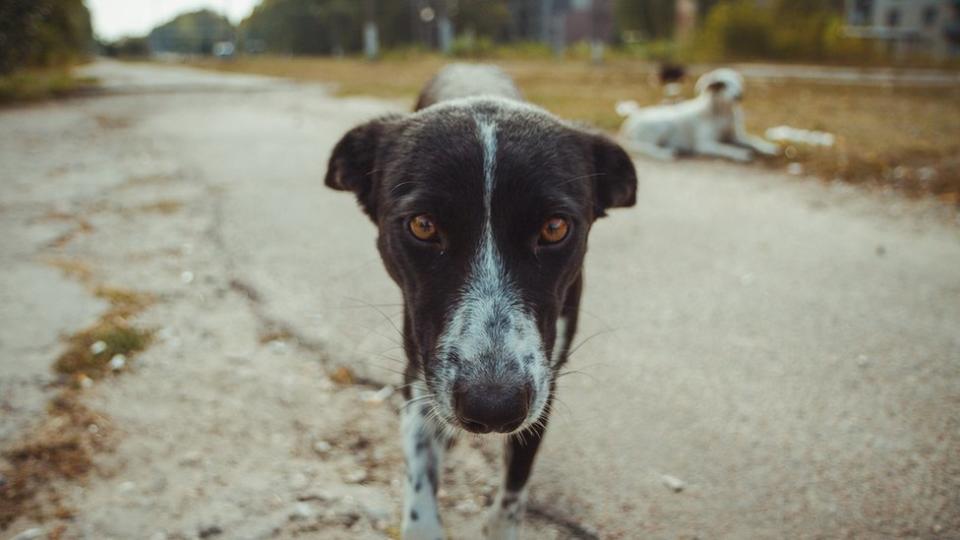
{"points": [[554, 230], [423, 228]]}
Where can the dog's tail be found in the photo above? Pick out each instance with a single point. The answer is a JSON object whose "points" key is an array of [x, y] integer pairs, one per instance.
{"points": [[626, 108]]}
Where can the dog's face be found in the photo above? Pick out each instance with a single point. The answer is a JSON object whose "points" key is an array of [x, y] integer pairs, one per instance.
{"points": [[483, 208], [724, 84]]}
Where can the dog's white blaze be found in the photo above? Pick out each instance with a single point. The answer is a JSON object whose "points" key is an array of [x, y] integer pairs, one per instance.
{"points": [[490, 297]]}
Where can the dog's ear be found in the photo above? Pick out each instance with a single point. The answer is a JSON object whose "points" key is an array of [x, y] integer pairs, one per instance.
{"points": [[709, 83], [353, 163], [614, 178], [716, 86]]}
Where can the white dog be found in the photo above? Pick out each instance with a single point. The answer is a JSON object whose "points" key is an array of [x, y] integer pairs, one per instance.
{"points": [[710, 124]]}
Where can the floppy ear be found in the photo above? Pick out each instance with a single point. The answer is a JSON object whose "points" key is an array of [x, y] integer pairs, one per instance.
{"points": [[716, 86], [708, 83], [614, 179], [353, 163]]}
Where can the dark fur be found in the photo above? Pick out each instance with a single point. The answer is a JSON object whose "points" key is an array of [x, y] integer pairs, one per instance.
{"points": [[430, 161]]}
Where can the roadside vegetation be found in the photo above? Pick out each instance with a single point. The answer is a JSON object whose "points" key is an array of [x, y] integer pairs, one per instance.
{"points": [[62, 445], [890, 137], [43, 83], [39, 41]]}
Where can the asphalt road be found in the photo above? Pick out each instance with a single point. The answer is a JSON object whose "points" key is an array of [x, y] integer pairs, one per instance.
{"points": [[762, 356]]}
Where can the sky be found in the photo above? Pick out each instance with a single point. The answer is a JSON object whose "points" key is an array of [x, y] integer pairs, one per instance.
{"points": [[117, 18]]}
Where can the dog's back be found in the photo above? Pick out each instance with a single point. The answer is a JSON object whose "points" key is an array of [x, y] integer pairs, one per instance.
{"points": [[465, 80]]}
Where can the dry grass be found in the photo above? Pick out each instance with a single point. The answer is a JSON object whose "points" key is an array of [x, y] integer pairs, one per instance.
{"points": [[62, 445], [904, 137], [60, 448], [163, 207]]}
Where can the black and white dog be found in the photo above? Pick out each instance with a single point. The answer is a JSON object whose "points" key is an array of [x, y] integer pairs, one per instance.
{"points": [[483, 204]]}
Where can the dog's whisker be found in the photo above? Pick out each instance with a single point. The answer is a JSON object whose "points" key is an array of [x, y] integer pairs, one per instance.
{"points": [[375, 332], [384, 315], [583, 342]]}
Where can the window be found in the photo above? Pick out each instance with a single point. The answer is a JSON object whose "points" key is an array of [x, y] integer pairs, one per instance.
{"points": [[862, 12], [893, 18], [930, 16]]}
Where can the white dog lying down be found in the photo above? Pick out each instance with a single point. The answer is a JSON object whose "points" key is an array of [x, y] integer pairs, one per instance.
{"points": [[710, 124]]}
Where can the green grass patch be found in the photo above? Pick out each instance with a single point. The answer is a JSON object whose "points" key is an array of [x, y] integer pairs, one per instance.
{"points": [[89, 352], [41, 84]]}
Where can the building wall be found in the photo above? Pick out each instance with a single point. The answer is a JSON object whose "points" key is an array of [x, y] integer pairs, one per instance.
{"points": [[910, 25]]}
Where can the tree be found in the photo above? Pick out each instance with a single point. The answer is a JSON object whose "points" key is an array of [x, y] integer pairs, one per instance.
{"points": [[191, 33], [306, 26], [653, 19], [43, 33]]}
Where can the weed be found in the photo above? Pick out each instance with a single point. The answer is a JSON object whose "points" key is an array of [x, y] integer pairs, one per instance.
{"points": [[60, 448], [90, 351]]}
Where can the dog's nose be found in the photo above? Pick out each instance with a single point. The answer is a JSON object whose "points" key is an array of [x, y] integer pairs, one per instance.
{"points": [[482, 408]]}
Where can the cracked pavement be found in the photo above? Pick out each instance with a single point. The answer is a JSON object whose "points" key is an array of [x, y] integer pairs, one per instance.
{"points": [[761, 357]]}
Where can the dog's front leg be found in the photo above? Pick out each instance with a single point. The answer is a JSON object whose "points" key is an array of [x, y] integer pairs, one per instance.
{"points": [[757, 144], [423, 448], [506, 514]]}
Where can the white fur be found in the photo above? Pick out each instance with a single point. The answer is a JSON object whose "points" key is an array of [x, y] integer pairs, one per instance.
{"points": [[710, 124], [503, 521], [423, 448]]}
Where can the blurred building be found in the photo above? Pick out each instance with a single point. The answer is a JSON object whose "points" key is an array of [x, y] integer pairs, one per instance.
{"points": [[561, 22], [907, 26]]}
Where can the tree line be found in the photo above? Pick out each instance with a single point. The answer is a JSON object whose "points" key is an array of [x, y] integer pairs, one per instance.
{"points": [[43, 33]]}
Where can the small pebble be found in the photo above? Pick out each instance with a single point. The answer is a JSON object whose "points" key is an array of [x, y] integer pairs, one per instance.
{"points": [[117, 362], [322, 447], [186, 277], [301, 510], [675, 484], [356, 476], [278, 347], [795, 169], [98, 347], [191, 458]]}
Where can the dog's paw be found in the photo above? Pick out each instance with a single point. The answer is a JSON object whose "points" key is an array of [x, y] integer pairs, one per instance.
{"points": [[741, 154], [416, 527], [503, 521], [497, 528], [769, 149], [422, 530]]}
